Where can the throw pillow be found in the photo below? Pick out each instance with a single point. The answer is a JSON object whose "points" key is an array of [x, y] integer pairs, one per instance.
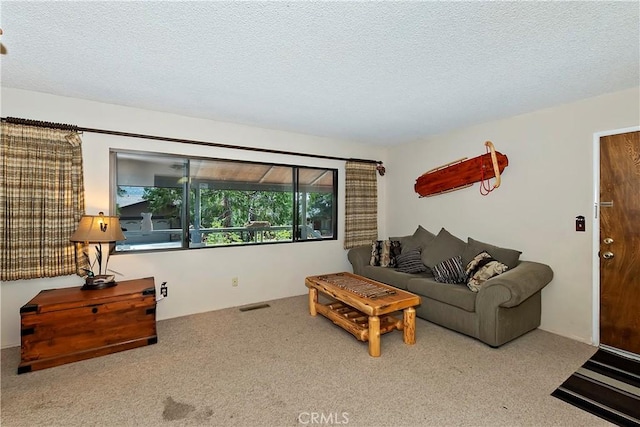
{"points": [[410, 262], [444, 246], [380, 253], [482, 268], [509, 257], [450, 271], [395, 250], [384, 253]]}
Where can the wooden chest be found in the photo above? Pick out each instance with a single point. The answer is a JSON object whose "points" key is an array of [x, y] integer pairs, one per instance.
{"points": [[69, 324]]}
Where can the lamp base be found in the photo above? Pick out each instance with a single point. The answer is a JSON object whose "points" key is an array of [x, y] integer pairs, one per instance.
{"points": [[101, 281]]}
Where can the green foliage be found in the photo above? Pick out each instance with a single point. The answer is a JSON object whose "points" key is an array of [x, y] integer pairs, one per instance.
{"points": [[224, 238], [282, 235], [234, 208], [164, 201], [320, 205]]}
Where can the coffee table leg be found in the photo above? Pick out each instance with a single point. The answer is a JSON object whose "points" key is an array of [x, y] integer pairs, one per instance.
{"points": [[374, 336], [313, 299], [409, 320]]}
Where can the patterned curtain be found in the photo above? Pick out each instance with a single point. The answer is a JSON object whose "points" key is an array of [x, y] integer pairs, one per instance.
{"points": [[361, 210], [42, 197]]}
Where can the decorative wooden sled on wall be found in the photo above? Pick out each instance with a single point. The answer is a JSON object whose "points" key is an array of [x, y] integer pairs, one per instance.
{"points": [[463, 173]]}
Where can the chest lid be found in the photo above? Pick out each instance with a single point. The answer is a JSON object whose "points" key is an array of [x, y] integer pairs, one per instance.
{"points": [[66, 298]]}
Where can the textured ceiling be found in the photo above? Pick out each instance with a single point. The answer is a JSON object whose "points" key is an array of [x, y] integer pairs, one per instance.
{"points": [[375, 72]]}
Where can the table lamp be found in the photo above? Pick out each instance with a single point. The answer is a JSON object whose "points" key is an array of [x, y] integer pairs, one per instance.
{"points": [[98, 229]]}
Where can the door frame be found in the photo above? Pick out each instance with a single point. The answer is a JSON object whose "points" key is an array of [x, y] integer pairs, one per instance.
{"points": [[596, 227]]}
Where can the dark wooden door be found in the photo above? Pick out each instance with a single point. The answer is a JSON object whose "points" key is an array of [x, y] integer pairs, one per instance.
{"points": [[620, 241]]}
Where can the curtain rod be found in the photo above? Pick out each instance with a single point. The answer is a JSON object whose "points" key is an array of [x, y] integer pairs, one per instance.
{"points": [[38, 123]]}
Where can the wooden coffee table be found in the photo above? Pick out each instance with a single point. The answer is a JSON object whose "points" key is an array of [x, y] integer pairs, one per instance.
{"points": [[363, 307]]}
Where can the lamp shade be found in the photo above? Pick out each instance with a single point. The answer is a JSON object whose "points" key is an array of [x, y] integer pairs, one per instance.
{"points": [[98, 228]]}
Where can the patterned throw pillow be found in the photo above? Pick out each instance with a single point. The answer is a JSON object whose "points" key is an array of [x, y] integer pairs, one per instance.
{"points": [[384, 253], [380, 253], [410, 262], [482, 268], [396, 249], [450, 271]]}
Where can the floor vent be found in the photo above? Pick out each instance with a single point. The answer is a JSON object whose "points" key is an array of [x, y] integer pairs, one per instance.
{"points": [[254, 307]]}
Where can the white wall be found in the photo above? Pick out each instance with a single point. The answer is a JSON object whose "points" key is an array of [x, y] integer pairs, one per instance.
{"points": [[549, 181], [198, 280]]}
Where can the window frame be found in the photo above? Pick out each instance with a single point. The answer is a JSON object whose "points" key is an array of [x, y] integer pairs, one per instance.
{"points": [[187, 188]]}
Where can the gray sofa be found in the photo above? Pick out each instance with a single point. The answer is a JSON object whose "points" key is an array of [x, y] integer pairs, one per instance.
{"points": [[505, 307]]}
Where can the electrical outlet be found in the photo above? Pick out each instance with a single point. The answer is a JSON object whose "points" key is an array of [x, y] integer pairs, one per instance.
{"points": [[163, 290], [234, 281]]}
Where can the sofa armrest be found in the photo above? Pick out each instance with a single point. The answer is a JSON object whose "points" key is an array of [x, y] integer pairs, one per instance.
{"points": [[359, 257], [518, 284]]}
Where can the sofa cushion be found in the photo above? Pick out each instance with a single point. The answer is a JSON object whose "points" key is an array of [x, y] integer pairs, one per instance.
{"points": [[402, 239], [423, 236], [420, 238], [444, 246], [482, 268], [450, 271], [410, 262], [509, 257], [392, 277], [456, 295]]}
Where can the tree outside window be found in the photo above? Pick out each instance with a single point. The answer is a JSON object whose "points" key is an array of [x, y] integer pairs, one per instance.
{"points": [[229, 202]]}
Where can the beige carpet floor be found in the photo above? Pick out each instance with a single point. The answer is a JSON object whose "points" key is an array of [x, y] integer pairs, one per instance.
{"points": [[278, 366]]}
